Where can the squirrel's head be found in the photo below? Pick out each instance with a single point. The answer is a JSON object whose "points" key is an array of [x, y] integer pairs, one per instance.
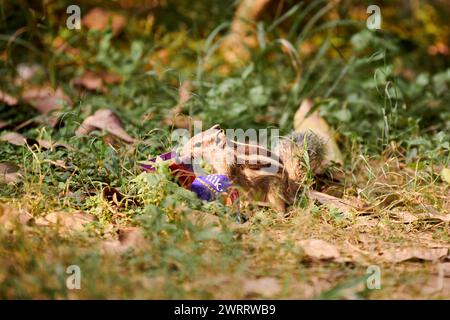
{"points": [[203, 145]]}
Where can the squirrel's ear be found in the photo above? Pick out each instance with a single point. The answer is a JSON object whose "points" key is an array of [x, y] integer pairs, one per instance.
{"points": [[216, 126], [220, 141]]}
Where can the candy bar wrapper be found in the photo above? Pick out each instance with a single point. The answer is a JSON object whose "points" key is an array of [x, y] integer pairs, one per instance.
{"points": [[211, 187], [181, 171], [164, 157]]}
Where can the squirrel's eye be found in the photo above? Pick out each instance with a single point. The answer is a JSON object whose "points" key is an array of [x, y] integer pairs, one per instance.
{"points": [[197, 145]]}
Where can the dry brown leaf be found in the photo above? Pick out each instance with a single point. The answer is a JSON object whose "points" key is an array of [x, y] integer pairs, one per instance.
{"points": [[266, 286], [315, 123], [99, 19], [436, 218], [90, 81], [104, 119], [19, 140], [110, 78], [438, 48], [14, 138], [9, 173], [242, 36], [8, 99], [413, 253], [60, 45], [319, 249], [46, 99], [10, 216], [444, 268], [403, 216], [427, 240], [96, 80], [45, 144], [68, 221], [342, 205]]}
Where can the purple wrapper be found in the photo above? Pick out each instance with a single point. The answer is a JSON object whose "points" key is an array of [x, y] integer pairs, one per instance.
{"points": [[211, 186]]}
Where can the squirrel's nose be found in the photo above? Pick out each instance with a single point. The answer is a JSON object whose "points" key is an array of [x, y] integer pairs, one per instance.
{"points": [[183, 159]]}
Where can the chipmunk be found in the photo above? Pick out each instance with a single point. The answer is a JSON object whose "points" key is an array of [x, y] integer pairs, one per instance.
{"points": [[272, 177]]}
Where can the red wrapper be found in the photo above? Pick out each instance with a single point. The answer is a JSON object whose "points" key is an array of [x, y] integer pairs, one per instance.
{"points": [[184, 176]]}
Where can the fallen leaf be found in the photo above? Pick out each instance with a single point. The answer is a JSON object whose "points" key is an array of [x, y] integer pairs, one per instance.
{"points": [[99, 19], [444, 269], [46, 99], [445, 175], [90, 81], [413, 253], [19, 140], [266, 286], [45, 144], [242, 36], [319, 249], [9, 173], [95, 80], [434, 217], [60, 45], [70, 221], [315, 123], [403, 216], [110, 78], [104, 119], [14, 138], [8, 99], [10, 216], [438, 48], [342, 205]]}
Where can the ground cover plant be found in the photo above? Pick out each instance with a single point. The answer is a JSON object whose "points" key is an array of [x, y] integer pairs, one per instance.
{"points": [[80, 108]]}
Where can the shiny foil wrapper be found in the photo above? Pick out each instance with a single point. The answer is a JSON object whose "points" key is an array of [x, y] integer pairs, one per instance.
{"points": [[210, 187]]}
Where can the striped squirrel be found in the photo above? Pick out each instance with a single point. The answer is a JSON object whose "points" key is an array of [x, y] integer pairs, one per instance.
{"points": [[272, 177]]}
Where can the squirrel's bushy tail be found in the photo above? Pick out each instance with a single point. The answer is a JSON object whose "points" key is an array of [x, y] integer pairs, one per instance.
{"points": [[300, 152]]}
